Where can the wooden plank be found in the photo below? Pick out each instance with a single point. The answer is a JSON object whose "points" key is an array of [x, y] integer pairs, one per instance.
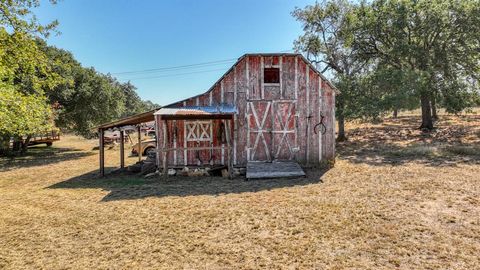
{"points": [[320, 106], [122, 150], [229, 158], [241, 103], [296, 78], [235, 121], [289, 75], [307, 92], [334, 124], [314, 119], [222, 93], [139, 134], [204, 100], [185, 144], [280, 74], [301, 111], [159, 136], [223, 145], [254, 76], [247, 82], [259, 170], [262, 79], [178, 129], [229, 88], [174, 142], [248, 115], [165, 163], [213, 156], [102, 152], [217, 94]]}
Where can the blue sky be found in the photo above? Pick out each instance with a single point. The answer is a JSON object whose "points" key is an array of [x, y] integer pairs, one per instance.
{"points": [[123, 36]]}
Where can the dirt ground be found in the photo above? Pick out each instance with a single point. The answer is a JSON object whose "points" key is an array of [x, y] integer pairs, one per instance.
{"points": [[396, 199]]}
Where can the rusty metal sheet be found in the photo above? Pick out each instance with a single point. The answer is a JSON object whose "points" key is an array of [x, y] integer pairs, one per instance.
{"points": [[199, 110]]}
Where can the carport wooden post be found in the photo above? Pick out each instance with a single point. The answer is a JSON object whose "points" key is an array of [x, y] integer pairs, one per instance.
{"points": [[122, 149], [102, 152], [139, 133]]}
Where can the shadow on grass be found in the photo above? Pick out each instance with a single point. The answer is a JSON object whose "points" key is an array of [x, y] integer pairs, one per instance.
{"points": [[130, 187], [41, 155]]}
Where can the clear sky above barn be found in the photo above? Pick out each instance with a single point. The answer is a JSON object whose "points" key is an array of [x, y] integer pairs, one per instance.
{"points": [[135, 40]]}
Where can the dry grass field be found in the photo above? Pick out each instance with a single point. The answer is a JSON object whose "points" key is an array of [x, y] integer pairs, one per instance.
{"points": [[396, 199]]}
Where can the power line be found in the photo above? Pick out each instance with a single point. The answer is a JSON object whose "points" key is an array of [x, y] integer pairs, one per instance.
{"points": [[179, 68], [189, 66], [204, 64], [177, 74]]}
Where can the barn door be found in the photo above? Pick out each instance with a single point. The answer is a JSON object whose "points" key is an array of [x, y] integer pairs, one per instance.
{"points": [[284, 130], [259, 140]]}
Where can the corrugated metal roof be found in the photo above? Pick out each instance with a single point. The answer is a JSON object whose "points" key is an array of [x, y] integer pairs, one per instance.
{"points": [[130, 120], [199, 110]]}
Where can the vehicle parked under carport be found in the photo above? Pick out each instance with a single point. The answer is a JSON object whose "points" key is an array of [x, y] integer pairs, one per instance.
{"points": [[147, 146]]}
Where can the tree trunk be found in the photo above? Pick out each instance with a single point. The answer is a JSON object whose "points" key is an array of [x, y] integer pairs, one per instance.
{"points": [[25, 144], [433, 103], [427, 121], [395, 113], [340, 118], [4, 146], [17, 145], [341, 128]]}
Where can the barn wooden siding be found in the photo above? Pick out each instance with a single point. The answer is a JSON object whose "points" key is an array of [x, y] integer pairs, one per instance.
{"points": [[274, 121]]}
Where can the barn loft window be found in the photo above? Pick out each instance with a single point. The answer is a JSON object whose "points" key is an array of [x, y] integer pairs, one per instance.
{"points": [[271, 75]]}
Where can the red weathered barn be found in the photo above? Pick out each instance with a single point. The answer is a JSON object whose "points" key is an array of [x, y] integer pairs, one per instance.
{"points": [[266, 107]]}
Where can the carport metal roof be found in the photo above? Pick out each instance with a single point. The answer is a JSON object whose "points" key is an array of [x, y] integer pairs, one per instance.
{"points": [[131, 120]]}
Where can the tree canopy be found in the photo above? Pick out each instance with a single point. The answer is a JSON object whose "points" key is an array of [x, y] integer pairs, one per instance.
{"points": [[24, 72], [86, 98], [326, 41], [434, 43], [397, 53], [41, 85], [17, 16]]}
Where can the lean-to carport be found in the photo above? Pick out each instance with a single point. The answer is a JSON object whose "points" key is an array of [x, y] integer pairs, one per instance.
{"points": [[134, 120]]}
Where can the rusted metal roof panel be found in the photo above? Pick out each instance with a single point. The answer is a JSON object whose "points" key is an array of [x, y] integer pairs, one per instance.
{"points": [[199, 110], [130, 120]]}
